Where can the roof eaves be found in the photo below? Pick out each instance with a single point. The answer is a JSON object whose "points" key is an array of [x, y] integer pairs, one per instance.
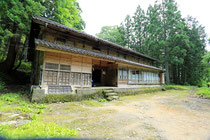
{"points": [[89, 53]]}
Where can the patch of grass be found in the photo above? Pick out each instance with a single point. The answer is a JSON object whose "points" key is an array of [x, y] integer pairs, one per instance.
{"points": [[91, 103], [37, 129], [204, 91], [179, 87], [16, 102]]}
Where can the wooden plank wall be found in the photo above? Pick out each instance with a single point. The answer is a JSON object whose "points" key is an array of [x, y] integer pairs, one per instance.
{"points": [[78, 63], [82, 44]]}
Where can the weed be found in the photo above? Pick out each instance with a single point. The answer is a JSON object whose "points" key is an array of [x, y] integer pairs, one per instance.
{"points": [[103, 100], [204, 91], [37, 129]]}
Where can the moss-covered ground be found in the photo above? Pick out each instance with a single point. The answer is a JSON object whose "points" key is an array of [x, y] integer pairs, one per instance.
{"points": [[166, 114]]}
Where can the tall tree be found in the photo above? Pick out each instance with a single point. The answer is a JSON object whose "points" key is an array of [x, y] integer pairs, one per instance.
{"points": [[112, 34], [127, 31], [162, 33], [67, 12], [139, 22], [15, 23], [15, 18]]}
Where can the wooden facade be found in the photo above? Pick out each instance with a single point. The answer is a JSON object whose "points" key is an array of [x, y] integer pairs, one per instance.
{"points": [[63, 57]]}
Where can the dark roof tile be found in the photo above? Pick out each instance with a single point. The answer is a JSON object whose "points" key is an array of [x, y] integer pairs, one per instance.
{"points": [[45, 21], [68, 48]]}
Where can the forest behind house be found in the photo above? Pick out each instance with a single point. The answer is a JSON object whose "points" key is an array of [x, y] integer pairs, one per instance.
{"points": [[161, 32]]}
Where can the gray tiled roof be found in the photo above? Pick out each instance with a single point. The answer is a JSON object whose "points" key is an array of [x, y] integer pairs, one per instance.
{"points": [[61, 27], [68, 48]]}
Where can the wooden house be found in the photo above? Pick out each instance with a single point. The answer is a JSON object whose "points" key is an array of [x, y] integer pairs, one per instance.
{"points": [[64, 58]]}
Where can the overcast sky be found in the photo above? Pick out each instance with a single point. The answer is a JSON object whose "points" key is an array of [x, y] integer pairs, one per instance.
{"points": [[99, 13]]}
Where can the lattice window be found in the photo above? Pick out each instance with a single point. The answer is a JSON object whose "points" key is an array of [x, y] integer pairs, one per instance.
{"points": [[64, 78], [51, 66], [50, 77], [65, 67], [61, 75]]}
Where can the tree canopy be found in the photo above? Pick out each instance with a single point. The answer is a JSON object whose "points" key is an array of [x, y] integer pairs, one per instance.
{"points": [[161, 32], [15, 21], [112, 34]]}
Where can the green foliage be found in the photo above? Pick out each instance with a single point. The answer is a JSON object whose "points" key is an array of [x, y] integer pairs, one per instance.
{"points": [[36, 129], [112, 34], [179, 43], [206, 64], [103, 100], [67, 12], [25, 67], [15, 23], [204, 91], [16, 102]]}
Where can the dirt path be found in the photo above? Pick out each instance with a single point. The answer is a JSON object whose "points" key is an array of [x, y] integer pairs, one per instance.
{"points": [[170, 115]]}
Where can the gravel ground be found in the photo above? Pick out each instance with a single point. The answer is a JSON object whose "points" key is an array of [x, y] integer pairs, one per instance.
{"points": [[168, 115]]}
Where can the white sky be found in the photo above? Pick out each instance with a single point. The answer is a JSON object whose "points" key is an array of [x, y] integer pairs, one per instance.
{"points": [[99, 13]]}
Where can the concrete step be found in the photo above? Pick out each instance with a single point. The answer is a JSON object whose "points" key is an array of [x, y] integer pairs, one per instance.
{"points": [[108, 90], [110, 98], [110, 94]]}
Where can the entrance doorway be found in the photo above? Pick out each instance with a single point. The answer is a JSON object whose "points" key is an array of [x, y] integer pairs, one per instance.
{"points": [[104, 73], [96, 76]]}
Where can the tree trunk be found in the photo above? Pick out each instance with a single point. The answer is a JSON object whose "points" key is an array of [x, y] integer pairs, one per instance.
{"points": [[166, 65], [175, 74], [8, 64]]}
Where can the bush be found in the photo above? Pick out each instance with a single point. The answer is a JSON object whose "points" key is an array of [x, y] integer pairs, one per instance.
{"points": [[20, 103], [204, 91], [36, 129]]}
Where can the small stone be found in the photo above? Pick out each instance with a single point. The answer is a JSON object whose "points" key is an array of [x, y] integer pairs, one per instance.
{"points": [[79, 129], [14, 115]]}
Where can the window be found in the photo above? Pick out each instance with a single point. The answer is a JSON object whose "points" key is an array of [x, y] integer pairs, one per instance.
{"points": [[61, 39], [65, 67], [51, 73], [137, 76], [120, 74], [125, 74], [51, 66], [140, 77], [133, 75], [96, 48]]}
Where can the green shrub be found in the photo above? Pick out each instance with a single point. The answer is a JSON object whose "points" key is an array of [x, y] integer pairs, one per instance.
{"points": [[10, 98], [25, 67], [20, 103], [204, 91], [36, 129]]}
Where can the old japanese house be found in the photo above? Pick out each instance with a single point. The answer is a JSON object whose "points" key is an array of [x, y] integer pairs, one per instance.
{"points": [[64, 58]]}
